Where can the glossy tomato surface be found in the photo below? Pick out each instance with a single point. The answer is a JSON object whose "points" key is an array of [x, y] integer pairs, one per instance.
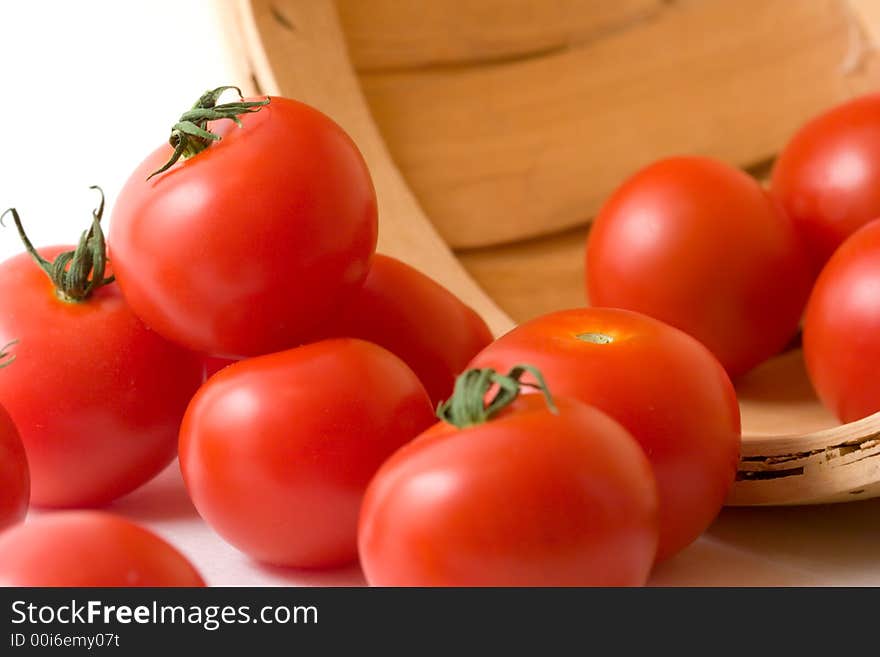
{"points": [[417, 319], [250, 245], [97, 396], [14, 475], [828, 176], [842, 327], [699, 245], [529, 498], [277, 450], [90, 548], [661, 384]]}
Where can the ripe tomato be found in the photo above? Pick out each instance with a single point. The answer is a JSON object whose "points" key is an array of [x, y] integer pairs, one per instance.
{"points": [[97, 396], [842, 327], [521, 497], [277, 450], [413, 317], [90, 548], [661, 384], [418, 320], [828, 176], [15, 480], [699, 245], [250, 245]]}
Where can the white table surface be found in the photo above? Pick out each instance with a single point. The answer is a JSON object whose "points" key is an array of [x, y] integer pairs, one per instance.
{"points": [[833, 545], [70, 70]]}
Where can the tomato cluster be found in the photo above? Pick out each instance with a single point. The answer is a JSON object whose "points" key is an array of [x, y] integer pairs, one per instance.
{"points": [[330, 404], [704, 247]]}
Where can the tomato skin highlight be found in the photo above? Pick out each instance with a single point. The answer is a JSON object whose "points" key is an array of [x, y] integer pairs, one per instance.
{"points": [[15, 481], [842, 325], [277, 450], [251, 245], [92, 549], [418, 320], [699, 245], [97, 396], [662, 385], [828, 176], [527, 499]]}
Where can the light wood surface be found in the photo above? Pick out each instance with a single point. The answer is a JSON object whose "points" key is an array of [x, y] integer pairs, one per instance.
{"points": [[406, 34], [793, 451], [503, 151], [306, 36]]}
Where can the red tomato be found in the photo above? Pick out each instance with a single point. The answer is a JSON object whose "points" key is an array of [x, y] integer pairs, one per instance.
{"points": [[276, 451], [842, 327], [662, 385], [97, 396], [699, 245], [828, 176], [418, 320], [250, 245], [90, 548], [15, 480], [527, 498], [413, 317]]}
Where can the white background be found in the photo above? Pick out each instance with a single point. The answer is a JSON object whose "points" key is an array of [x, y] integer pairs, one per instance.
{"points": [[89, 87]]}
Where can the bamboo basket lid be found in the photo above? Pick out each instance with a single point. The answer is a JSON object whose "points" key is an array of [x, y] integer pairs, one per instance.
{"points": [[507, 123]]}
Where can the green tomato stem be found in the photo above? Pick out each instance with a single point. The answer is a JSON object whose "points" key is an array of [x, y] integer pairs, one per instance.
{"points": [[190, 135], [467, 406], [78, 273], [6, 358]]}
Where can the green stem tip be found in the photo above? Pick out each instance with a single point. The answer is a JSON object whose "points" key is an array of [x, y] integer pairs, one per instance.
{"points": [[190, 135], [468, 405], [78, 273], [6, 358]]}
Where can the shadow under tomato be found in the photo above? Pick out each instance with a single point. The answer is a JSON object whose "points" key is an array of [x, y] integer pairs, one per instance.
{"points": [[344, 576], [777, 398], [783, 378], [163, 498]]}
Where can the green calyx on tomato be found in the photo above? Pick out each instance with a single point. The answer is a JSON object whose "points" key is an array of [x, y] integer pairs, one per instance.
{"points": [[75, 274], [5, 357], [595, 338], [468, 407], [190, 135]]}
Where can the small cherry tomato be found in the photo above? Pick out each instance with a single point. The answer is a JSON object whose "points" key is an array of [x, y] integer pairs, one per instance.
{"points": [[90, 548], [828, 176], [699, 245], [277, 450], [97, 396], [662, 385], [513, 494], [413, 317], [418, 320], [251, 241], [842, 327], [15, 482]]}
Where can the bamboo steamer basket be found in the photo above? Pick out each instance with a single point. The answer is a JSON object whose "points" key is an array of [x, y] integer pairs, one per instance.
{"points": [[495, 128]]}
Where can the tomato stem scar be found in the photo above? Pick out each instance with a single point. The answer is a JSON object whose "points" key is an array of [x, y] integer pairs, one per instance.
{"points": [[190, 135], [595, 338], [78, 273], [467, 406]]}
